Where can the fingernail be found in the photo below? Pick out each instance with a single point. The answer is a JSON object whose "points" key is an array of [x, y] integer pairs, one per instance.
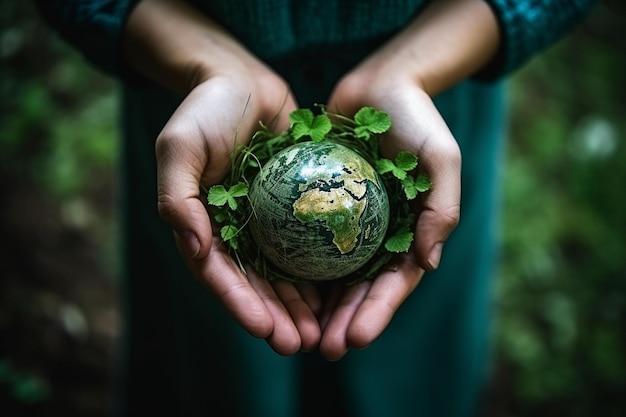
{"points": [[435, 255], [189, 243]]}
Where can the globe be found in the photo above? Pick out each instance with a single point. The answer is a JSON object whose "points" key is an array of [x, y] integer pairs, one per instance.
{"points": [[319, 211]]}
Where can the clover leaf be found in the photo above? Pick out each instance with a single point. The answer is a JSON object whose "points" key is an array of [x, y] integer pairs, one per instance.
{"points": [[360, 133], [228, 234], [413, 186], [409, 187], [305, 123], [405, 161], [423, 183], [219, 195], [400, 242], [370, 120]]}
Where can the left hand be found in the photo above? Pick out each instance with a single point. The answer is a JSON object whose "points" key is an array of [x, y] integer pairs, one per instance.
{"points": [[356, 315], [447, 42]]}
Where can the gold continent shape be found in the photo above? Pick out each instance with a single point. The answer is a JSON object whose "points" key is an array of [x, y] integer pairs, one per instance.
{"points": [[340, 208]]}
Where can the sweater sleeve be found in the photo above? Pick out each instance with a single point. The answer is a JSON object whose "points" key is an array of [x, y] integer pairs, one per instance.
{"points": [[94, 27], [529, 26]]}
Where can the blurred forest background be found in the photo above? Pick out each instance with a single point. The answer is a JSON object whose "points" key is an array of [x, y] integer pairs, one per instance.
{"points": [[561, 299]]}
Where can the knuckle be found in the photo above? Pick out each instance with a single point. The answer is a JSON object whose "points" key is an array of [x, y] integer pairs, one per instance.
{"points": [[451, 216], [450, 151], [443, 219], [166, 207], [166, 142], [454, 154]]}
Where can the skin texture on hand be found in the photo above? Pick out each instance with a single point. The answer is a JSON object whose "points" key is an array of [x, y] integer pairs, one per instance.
{"points": [[447, 43], [228, 91]]}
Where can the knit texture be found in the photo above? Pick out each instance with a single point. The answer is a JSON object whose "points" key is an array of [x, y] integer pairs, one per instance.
{"points": [[277, 28], [529, 26], [94, 27]]}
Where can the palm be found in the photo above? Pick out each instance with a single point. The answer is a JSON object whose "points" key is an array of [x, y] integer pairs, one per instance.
{"points": [[193, 152], [354, 316]]}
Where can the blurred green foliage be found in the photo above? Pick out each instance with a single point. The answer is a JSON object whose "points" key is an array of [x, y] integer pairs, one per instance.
{"points": [[58, 120], [58, 262], [58, 124], [561, 301], [25, 388], [561, 292]]}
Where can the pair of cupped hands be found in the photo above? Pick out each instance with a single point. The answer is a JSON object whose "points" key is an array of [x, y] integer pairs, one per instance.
{"points": [[181, 48], [194, 151]]}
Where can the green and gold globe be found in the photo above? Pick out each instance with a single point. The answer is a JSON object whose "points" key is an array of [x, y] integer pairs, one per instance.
{"points": [[319, 211]]}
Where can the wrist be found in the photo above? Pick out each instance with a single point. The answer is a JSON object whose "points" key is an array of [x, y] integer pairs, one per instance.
{"points": [[175, 45], [448, 42]]}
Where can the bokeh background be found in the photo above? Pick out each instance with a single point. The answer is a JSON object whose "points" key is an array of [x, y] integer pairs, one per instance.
{"points": [[560, 305]]}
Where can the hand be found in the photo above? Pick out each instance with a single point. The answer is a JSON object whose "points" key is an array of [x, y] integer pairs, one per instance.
{"points": [[357, 314], [231, 91], [446, 43], [193, 150]]}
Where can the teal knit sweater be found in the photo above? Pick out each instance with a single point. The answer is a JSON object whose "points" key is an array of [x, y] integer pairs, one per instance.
{"points": [[276, 27], [180, 345]]}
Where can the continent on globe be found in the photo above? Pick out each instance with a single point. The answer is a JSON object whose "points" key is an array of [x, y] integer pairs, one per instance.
{"points": [[320, 211], [339, 202]]}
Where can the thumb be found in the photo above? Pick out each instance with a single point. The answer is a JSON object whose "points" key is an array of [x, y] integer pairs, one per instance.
{"points": [[190, 225], [432, 230], [440, 208], [179, 203]]}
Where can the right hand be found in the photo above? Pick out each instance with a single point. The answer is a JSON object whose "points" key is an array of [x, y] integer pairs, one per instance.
{"points": [[230, 94]]}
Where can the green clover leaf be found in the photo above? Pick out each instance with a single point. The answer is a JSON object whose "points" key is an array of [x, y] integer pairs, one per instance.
{"points": [[384, 166], [409, 187], [305, 123], [423, 183], [370, 121], [400, 242], [219, 195], [406, 161], [228, 233], [238, 190]]}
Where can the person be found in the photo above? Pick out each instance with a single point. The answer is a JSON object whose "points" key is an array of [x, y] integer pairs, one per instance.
{"points": [[195, 75]]}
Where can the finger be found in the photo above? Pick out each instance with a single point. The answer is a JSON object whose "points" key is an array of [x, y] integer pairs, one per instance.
{"points": [[334, 344], [181, 158], [194, 149], [278, 119], [190, 223], [311, 296], [388, 291], [440, 208], [285, 338], [343, 99], [417, 126], [219, 273], [331, 295], [433, 228], [300, 312], [422, 130]]}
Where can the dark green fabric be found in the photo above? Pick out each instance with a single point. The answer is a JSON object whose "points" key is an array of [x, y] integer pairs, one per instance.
{"points": [[278, 27], [431, 361], [275, 28], [183, 355], [529, 26]]}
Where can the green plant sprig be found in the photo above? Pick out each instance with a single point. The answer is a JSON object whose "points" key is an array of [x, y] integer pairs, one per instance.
{"points": [[229, 203]]}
